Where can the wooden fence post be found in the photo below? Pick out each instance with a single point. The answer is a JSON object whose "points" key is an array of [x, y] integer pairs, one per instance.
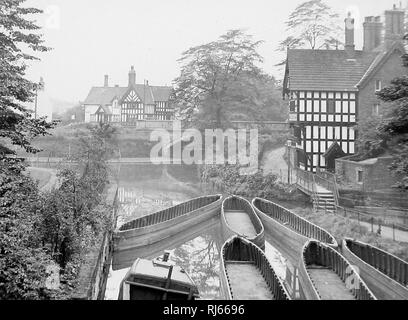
{"points": [[393, 231]]}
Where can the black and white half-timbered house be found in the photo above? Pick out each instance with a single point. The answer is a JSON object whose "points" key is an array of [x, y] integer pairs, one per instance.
{"points": [[330, 90], [128, 105]]}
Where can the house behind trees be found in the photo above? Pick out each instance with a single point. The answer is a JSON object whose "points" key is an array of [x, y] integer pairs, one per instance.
{"points": [[131, 105]]}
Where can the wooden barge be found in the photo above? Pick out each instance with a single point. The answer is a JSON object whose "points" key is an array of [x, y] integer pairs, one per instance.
{"points": [[157, 280], [287, 231], [385, 274], [325, 274], [160, 225], [246, 273], [239, 218]]}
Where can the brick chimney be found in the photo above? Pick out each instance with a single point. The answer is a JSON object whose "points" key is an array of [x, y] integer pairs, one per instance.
{"points": [[394, 25], [106, 83], [132, 76], [349, 30], [372, 33]]}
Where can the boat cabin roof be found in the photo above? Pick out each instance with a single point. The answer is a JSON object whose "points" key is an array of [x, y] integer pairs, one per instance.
{"points": [[156, 272]]}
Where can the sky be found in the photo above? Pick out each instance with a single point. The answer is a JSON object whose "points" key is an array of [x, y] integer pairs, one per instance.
{"points": [[91, 38]]}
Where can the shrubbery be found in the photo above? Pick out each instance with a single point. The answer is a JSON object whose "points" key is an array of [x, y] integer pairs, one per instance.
{"points": [[227, 179]]}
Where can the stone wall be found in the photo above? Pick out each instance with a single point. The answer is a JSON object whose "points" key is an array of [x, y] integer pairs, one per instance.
{"points": [[94, 270], [375, 174]]}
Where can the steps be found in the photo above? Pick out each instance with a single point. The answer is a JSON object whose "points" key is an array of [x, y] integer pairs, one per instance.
{"points": [[324, 202]]}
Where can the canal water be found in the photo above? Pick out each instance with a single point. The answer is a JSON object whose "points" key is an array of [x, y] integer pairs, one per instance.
{"points": [[144, 189]]}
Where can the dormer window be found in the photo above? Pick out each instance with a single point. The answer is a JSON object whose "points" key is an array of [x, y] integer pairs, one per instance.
{"points": [[377, 85]]}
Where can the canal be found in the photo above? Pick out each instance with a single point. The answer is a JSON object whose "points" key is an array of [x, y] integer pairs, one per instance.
{"points": [[144, 189]]}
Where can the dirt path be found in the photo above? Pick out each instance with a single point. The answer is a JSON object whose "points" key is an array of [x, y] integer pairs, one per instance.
{"points": [[273, 162]]}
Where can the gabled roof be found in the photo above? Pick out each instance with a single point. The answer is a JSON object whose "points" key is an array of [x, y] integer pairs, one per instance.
{"points": [[334, 149], [380, 60], [326, 69], [148, 94], [104, 109]]}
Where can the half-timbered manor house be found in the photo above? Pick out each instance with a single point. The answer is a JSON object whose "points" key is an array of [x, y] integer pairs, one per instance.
{"points": [[330, 90], [128, 105]]}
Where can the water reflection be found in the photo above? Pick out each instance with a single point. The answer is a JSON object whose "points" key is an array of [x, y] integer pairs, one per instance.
{"points": [[196, 250]]}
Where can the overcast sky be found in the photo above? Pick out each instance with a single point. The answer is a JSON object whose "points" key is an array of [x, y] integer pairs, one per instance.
{"points": [[91, 38]]}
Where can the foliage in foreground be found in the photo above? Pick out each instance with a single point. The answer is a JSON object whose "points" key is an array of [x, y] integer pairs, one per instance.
{"points": [[41, 229]]}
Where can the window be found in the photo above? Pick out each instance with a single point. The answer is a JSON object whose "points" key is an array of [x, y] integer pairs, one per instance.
{"points": [[292, 105], [359, 176], [330, 106], [376, 108], [377, 85]]}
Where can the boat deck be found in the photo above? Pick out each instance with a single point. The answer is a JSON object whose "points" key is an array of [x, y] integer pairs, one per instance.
{"points": [[329, 285], [240, 222], [247, 282]]}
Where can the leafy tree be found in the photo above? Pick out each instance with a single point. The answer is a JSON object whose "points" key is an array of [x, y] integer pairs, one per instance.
{"points": [[22, 256], [220, 79], [17, 32], [314, 25]]}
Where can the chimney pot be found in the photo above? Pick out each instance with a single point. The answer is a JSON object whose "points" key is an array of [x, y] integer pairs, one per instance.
{"points": [[372, 33], [106, 83], [132, 76], [394, 26], [349, 33]]}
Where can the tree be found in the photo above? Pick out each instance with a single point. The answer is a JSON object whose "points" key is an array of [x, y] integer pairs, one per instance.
{"points": [[22, 256], [313, 25], [17, 125], [219, 79]]}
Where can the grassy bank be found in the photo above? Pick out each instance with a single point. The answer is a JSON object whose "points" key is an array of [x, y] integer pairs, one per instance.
{"points": [[341, 227]]}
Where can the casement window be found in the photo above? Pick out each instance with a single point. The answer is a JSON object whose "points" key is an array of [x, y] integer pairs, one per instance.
{"points": [[331, 106], [378, 85], [292, 105], [376, 109], [359, 176]]}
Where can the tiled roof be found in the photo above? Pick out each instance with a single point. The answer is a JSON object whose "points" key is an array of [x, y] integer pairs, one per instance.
{"points": [[105, 95], [161, 93], [380, 59], [327, 69]]}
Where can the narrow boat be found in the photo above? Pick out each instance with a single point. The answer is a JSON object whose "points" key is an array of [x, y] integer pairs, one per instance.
{"points": [[385, 274], [246, 273], [163, 224], [325, 274], [239, 218], [287, 231], [157, 280]]}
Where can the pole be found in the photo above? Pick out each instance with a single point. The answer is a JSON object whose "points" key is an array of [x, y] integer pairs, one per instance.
{"points": [[35, 108]]}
